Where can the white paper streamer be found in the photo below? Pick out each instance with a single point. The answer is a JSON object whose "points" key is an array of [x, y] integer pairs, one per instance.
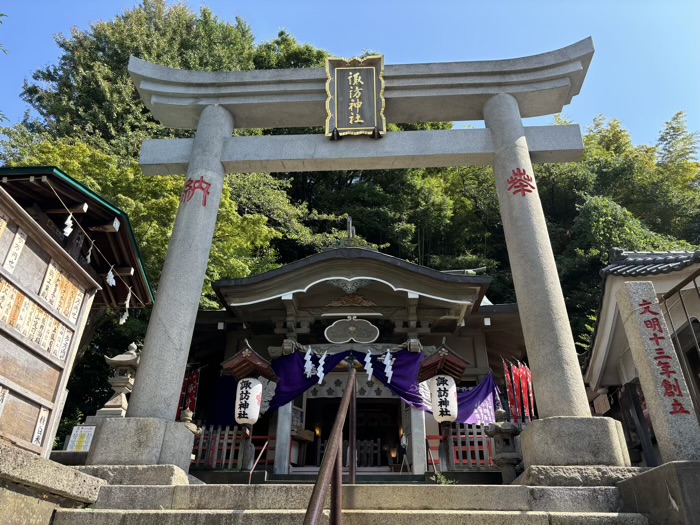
{"points": [[125, 315], [68, 225], [388, 366], [319, 371], [308, 364], [110, 277], [88, 257], [368, 365]]}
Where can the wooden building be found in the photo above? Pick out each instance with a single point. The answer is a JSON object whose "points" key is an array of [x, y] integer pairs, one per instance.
{"points": [[48, 288]]}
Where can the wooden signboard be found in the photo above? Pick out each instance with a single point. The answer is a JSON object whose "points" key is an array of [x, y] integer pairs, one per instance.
{"points": [[45, 297], [355, 103]]}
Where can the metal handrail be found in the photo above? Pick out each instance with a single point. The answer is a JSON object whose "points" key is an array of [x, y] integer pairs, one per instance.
{"points": [[250, 476], [331, 471]]}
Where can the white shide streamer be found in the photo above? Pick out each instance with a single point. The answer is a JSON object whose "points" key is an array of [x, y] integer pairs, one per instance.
{"points": [[368, 365], [320, 372], [388, 366], [308, 364]]}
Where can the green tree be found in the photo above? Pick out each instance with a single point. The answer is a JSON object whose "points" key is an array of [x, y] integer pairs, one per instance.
{"points": [[150, 202], [284, 52], [617, 196], [676, 144], [89, 93]]}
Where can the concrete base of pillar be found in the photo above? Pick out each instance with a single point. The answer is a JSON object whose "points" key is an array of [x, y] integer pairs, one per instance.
{"points": [[584, 476], [137, 474], [667, 494], [566, 441], [141, 441]]}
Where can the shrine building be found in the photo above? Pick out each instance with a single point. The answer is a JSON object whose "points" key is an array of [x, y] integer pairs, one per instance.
{"points": [[334, 304]]}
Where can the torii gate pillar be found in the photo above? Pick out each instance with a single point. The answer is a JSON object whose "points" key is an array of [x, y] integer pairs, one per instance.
{"points": [[149, 434], [566, 434]]}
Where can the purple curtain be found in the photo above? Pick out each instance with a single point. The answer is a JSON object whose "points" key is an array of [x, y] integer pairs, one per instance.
{"points": [[404, 378], [475, 406], [293, 382]]}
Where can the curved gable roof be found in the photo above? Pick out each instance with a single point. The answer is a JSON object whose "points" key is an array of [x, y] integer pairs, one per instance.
{"points": [[351, 264]]}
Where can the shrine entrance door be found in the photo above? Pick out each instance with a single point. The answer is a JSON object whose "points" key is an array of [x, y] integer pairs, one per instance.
{"points": [[378, 431]]}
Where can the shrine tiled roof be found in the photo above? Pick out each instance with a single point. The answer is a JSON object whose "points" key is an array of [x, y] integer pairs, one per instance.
{"points": [[640, 264]]}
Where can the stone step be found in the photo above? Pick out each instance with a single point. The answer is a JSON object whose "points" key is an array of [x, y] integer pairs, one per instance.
{"points": [[350, 517], [181, 517], [455, 517], [363, 497]]}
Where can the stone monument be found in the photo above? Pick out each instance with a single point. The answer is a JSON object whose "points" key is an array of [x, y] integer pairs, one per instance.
{"points": [[500, 92], [665, 390]]}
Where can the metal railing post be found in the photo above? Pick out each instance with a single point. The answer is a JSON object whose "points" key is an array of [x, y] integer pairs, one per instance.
{"points": [[332, 460], [352, 460], [250, 477], [337, 488]]}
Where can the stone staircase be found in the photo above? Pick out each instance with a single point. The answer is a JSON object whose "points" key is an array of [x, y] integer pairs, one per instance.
{"points": [[362, 505]]}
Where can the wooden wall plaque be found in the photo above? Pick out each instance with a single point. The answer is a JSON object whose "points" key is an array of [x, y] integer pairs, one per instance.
{"points": [[42, 316]]}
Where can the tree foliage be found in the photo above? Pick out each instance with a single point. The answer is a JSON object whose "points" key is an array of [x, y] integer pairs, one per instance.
{"points": [[89, 93], [240, 241]]}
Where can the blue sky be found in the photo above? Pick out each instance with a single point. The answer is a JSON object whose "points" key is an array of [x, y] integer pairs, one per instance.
{"points": [[646, 66]]}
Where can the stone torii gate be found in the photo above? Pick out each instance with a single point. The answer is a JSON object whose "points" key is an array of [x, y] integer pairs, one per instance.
{"points": [[500, 92]]}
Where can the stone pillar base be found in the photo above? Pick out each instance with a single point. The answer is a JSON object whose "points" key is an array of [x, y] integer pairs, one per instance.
{"points": [[581, 476], [566, 441], [141, 441], [137, 474]]}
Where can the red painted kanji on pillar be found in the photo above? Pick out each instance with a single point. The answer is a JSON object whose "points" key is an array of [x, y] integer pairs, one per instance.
{"points": [[670, 387], [191, 186], [520, 183]]}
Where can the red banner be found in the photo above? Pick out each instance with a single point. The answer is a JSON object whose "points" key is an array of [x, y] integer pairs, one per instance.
{"points": [[192, 389], [532, 395], [525, 390], [511, 397], [516, 391], [183, 392], [188, 396]]}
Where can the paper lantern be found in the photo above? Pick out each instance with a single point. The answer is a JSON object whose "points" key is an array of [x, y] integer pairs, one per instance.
{"points": [[248, 401], [443, 395]]}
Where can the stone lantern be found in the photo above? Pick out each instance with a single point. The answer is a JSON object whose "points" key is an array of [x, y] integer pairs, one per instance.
{"points": [[122, 382], [505, 456], [186, 419]]}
